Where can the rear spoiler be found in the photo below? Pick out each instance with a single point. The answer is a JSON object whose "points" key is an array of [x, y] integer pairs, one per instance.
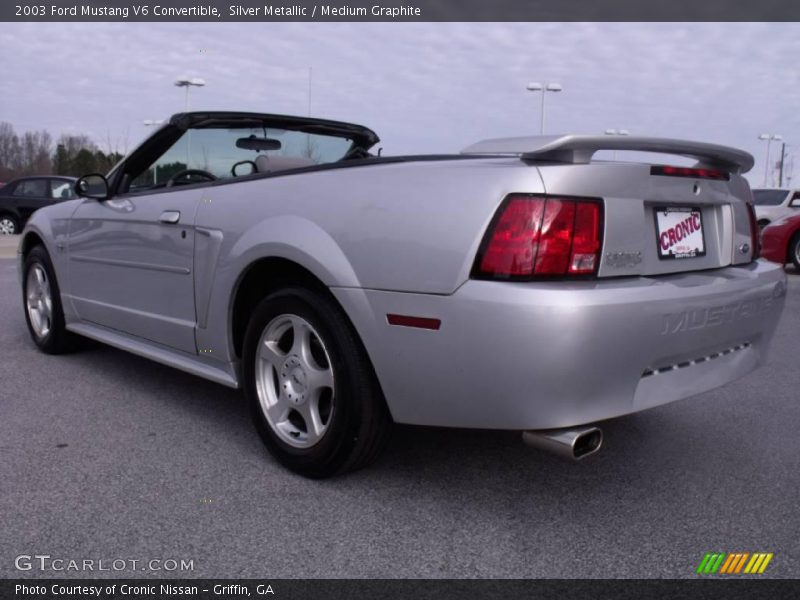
{"points": [[579, 149]]}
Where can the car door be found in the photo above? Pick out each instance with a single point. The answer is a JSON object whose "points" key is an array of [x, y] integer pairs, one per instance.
{"points": [[131, 264]]}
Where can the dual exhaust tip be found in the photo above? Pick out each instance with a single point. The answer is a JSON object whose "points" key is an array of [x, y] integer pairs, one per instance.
{"points": [[573, 443]]}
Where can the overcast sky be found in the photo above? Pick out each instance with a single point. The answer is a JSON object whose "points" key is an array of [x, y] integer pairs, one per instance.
{"points": [[430, 87]]}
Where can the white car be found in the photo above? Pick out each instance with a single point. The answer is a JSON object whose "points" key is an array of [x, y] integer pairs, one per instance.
{"points": [[774, 204]]}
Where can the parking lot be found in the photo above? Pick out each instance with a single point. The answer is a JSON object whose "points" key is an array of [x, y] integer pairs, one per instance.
{"points": [[104, 455]]}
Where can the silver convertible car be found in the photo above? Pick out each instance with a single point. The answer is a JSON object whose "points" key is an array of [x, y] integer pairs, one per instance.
{"points": [[519, 285]]}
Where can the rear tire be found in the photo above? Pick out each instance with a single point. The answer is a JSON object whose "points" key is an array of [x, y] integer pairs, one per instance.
{"points": [[41, 299], [794, 250], [313, 395], [8, 225]]}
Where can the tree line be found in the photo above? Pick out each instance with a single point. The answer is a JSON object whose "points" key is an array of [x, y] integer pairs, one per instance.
{"points": [[35, 153]]}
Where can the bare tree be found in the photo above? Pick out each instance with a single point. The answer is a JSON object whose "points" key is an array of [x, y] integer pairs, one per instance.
{"points": [[26, 155], [32, 153], [118, 145], [35, 153], [9, 151]]}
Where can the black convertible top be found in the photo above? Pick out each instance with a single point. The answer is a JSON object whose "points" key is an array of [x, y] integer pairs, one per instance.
{"points": [[363, 137]]}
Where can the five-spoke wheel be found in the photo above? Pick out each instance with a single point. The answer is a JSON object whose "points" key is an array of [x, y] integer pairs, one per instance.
{"points": [[43, 311], [39, 301], [313, 394], [294, 380]]}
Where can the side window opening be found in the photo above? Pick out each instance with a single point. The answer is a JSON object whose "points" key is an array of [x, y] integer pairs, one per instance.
{"points": [[61, 190], [211, 153], [32, 188]]}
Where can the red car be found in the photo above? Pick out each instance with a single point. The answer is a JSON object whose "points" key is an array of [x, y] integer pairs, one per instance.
{"points": [[780, 241]]}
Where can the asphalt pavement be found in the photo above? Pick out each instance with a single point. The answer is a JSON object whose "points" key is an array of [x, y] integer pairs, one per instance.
{"points": [[8, 246], [107, 456]]}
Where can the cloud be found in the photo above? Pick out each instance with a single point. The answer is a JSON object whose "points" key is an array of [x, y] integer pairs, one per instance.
{"points": [[424, 87]]}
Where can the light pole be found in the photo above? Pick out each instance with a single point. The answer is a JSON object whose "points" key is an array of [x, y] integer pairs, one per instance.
{"points": [[616, 132], [769, 137], [154, 123], [186, 82], [546, 87], [783, 164]]}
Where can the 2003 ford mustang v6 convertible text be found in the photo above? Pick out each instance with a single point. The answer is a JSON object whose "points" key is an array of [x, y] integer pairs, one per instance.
{"points": [[519, 285]]}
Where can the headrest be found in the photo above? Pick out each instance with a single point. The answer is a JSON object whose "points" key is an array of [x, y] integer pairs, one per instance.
{"points": [[270, 164]]}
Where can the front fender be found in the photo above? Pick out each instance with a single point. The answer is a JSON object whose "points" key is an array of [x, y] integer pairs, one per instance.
{"points": [[51, 225]]}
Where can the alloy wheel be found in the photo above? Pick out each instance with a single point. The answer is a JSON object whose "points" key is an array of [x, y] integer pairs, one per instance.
{"points": [[294, 381], [39, 300], [7, 226]]}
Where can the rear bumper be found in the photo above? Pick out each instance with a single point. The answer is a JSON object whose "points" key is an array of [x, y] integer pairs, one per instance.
{"points": [[547, 355]]}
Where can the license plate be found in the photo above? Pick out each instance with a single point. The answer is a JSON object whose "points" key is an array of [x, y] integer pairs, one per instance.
{"points": [[679, 232]]}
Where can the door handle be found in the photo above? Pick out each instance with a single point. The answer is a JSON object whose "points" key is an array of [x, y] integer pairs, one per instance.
{"points": [[170, 216]]}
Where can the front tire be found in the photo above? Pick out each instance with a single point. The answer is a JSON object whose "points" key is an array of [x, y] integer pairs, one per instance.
{"points": [[41, 298], [313, 394]]}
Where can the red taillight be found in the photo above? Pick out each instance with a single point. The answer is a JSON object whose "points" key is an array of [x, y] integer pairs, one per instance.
{"points": [[689, 172], [555, 239], [515, 238], [755, 239], [585, 253], [534, 236]]}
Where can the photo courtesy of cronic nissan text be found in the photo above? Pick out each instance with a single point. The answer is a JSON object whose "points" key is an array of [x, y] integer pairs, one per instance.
{"points": [[424, 299]]}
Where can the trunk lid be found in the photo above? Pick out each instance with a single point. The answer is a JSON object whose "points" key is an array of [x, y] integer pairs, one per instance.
{"points": [[656, 221], [648, 217]]}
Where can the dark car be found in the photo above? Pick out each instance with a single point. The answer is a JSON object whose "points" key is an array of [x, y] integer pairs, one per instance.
{"points": [[21, 197], [780, 241]]}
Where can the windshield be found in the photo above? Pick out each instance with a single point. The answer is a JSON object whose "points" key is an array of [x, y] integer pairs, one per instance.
{"points": [[769, 197]]}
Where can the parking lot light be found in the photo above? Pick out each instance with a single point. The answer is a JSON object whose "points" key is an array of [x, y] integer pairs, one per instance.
{"points": [[547, 87], [768, 137], [186, 82]]}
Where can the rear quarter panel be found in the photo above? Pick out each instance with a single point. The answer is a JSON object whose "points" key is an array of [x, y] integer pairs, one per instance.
{"points": [[411, 227]]}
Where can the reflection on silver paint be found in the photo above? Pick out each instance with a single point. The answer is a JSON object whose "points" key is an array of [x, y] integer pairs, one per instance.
{"points": [[115, 262], [207, 246]]}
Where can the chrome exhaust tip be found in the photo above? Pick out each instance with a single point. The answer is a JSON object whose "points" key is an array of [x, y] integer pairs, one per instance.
{"points": [[573, 443]]}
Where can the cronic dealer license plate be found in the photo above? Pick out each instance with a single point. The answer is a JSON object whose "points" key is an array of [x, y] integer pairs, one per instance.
{"points": [[679, 232]]}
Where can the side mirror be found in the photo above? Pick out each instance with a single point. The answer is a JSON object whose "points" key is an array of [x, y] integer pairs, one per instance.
{"points": [[92, 186], [794, 203]]}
